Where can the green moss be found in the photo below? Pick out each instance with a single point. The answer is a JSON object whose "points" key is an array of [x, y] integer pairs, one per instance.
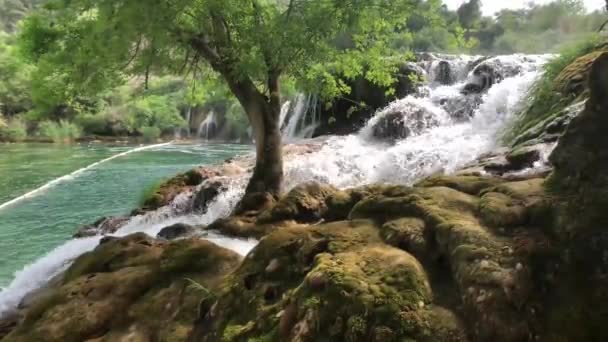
{"points": [[471, 185], [151, 196], [500, 210], [236, 332]]}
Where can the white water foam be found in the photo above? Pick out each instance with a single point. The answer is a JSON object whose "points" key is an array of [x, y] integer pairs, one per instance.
{"points": [[38, 274], [359, 159], [74, 174]]}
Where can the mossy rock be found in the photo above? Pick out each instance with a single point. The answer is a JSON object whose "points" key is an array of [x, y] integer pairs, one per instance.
{"points": [[134, 288], [408, 234], [572, 81], [330, 282], [471, 185], [500, 210], [305, 203], [166, 191]]}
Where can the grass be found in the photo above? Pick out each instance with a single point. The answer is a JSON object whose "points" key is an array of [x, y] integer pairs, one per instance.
{"points": [[544, 99], [60, 132]]}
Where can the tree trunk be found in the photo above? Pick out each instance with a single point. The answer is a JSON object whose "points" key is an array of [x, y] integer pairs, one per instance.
{"points": [[268, 173], [263, 113]]}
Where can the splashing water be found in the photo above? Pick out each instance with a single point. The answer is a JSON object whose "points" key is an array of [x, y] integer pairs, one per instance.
{"points": [[39, 273], [359, 159], [444, 144]]}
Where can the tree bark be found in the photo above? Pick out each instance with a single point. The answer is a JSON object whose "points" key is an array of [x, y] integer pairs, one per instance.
{"points": [[263, 113]]}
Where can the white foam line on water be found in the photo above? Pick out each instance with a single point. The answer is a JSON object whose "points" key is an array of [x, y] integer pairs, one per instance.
{"points": [[74, 174]]}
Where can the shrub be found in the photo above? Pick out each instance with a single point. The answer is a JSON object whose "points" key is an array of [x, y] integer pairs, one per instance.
{"points": [[63, 131], [12, 130], [545, 99], [94, 123], [150, 133]]}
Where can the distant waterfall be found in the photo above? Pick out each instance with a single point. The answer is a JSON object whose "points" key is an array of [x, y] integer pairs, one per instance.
{"points": [[208, 127], [300, 119], [188, 119]]}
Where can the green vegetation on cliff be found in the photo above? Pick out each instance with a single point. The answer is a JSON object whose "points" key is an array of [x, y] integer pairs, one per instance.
{"points": [[563, 83]]}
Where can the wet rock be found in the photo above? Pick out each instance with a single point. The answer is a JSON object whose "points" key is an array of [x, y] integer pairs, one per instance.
{"points": [[443, 73], [404, 118], [352, 111], [8, 324], [524, 157], [128, 289], [206, 194], [176, 231], [305, 203], [462, 108], [103, 226], [488, 73], [168, 190]]}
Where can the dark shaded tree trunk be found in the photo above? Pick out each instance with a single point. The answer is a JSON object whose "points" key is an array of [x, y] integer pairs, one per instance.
{"points": [[263, 113]]}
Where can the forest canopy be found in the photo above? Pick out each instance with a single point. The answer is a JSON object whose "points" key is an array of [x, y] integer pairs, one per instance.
{"points": [[38, 82]]}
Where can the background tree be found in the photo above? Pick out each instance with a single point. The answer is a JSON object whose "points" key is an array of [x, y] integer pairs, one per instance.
{"points": [[469, 14], [90, 44]]}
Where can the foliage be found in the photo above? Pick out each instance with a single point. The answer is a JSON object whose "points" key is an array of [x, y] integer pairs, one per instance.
{"points": [[11, 11], [253, 40], [539, 28], [12, 129], [150, 133], [15, 94], [62, 131], [94, 123]]}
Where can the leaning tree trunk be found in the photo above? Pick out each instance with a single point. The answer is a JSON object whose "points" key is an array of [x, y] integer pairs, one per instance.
{"points": [[268, 172], [263, 113]]}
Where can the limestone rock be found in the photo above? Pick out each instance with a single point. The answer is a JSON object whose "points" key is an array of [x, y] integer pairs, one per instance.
{"points": [[305, 203], [176, 231], [103, 226], [134, 288]]}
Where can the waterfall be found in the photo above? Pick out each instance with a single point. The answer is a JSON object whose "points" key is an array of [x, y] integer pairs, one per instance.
{"points": [[188, 119], [208, 127], [284, 111], [438, 139], [302, 120]]}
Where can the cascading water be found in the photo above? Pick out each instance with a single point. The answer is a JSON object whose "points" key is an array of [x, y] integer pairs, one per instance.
{"points": [[188, 121], [443, 143], [301, 120], [208, 127], [438, 139]]}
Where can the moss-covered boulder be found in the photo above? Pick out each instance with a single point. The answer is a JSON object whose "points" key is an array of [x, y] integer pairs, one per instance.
{"points": [[305, 203], [166, 191], [581, 158], [334, 282], [129, 289]]}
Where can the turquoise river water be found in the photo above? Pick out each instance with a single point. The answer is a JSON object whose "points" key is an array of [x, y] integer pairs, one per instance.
{"points": [[30, 227]]}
